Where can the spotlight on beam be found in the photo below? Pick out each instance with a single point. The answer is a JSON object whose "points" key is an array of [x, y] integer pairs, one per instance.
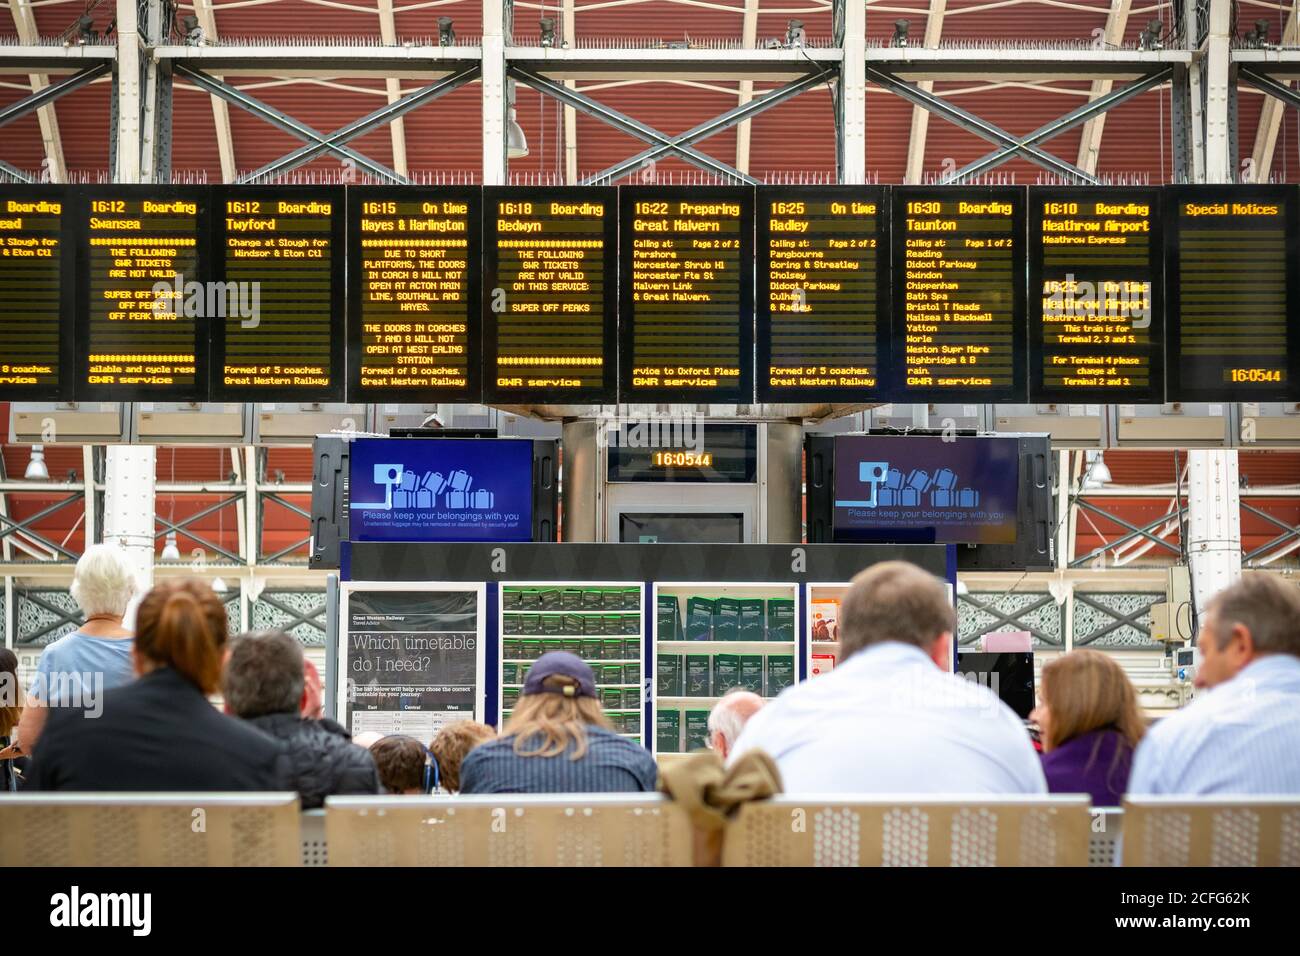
{"points": [[516, 141], [36, 469], [446, 34], [547, 26], [1150, 37], [1258, 38], [794, 34], [900, 32], [192, 31]]}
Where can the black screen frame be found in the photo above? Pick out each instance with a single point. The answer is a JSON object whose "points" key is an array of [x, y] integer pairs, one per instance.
{"points": [[338, 281], [1176, 389], [79, 205], [763, 319], [898, 391], [1154, 393], [608, 390], [473, 195], [68, 290], [743, 392]]}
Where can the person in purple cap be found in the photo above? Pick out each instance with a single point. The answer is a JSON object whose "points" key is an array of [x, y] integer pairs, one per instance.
{"points": [[557, 740]]}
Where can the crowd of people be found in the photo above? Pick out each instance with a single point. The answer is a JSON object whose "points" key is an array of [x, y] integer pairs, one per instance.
{"points": [[115, 710]]}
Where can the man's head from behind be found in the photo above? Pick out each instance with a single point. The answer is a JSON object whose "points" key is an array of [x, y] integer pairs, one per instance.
{"points": [[264, 675], [401, 762], [897, 601], [1258, 615], [728, 719]]}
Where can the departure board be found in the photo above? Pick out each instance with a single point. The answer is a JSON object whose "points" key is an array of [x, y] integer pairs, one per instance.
{"points": [[959, 287], [1096, 305], [550, 295], [143, 310], [414, 294], [822, 299], [686, 294], [1230, 268], [278, 293], [36, 287]]}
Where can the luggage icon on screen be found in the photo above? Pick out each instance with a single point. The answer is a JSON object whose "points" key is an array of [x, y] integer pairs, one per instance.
{"points": [[918, 480], [433, 482], [459, 480], [968, 498], [482, 499], [945, 479], [909, 497], [458, 500], [405, 496], [943, 498], [894, 480]]}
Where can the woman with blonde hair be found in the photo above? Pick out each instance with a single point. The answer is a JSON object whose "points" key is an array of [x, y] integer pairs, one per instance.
{"points": [[557, 740], [1088, 714]]}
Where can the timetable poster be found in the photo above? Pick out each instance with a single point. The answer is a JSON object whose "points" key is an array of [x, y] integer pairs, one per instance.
{"points": [[277, 317], [686, 294], [36, 264], [415, 294], [550, 294], [1096, 309], [1231, 273], [822, 300], [143, 307], [413, 660], [959, 294]]}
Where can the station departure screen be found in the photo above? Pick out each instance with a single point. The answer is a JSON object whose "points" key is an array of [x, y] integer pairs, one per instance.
{"points": [[36, 257], [550, 295], [686, 292], [822, 300], [959, 287], [1096, 310], [413, 315], [143, 310], [278, 261], [1231, 271]]}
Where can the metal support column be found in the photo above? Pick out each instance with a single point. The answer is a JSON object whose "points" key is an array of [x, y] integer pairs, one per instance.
{"points": [[127, 93], [129, 505], [853, 96], [1219, 163], [1213, 521], [494, 93]]}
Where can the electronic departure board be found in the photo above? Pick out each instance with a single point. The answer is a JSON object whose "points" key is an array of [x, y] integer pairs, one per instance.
{"points": [[142, 309], [36, 288], [1231, 271], [686, 294], [1096, 309], [415, 294], [958, 308], [823, 292], [276, 301], [550, 295]]}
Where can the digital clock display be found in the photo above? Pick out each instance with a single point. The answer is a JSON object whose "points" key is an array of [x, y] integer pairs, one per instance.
{"points": [[683, 459], [671, 450]]}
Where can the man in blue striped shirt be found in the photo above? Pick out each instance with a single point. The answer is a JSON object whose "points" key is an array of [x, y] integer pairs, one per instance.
{"points": [[1243, 735], [557, 740]]}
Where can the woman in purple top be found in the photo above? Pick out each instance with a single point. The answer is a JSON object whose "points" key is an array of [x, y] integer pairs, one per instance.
{"points": [[1088, 714]]}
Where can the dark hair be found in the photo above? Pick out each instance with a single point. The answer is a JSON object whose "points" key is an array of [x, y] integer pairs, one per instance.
{"points": [[264, 674], [11, 708], [401, 763], [894, 601], [182, 624], [1266, 606]]}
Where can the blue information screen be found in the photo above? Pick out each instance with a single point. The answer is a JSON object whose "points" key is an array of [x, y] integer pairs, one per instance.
{"points": [[926, 489], [441, 489]]}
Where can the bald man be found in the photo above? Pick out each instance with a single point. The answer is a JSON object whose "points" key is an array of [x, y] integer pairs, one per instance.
{"points": [[728, 718]]}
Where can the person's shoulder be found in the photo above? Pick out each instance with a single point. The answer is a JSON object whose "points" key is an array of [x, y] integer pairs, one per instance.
{"points": [[616, 743], [56, 652]]}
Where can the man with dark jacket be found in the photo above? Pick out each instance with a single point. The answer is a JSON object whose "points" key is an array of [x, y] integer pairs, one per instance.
{"points": [[264, 683]]}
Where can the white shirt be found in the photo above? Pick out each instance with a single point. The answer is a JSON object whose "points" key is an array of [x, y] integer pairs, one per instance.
{"points": [[887, 720], [1241, 737]]}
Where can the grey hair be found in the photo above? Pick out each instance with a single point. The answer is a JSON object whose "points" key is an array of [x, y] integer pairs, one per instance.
{"points": [[264, 674], [104, 581], [725, 717]]}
